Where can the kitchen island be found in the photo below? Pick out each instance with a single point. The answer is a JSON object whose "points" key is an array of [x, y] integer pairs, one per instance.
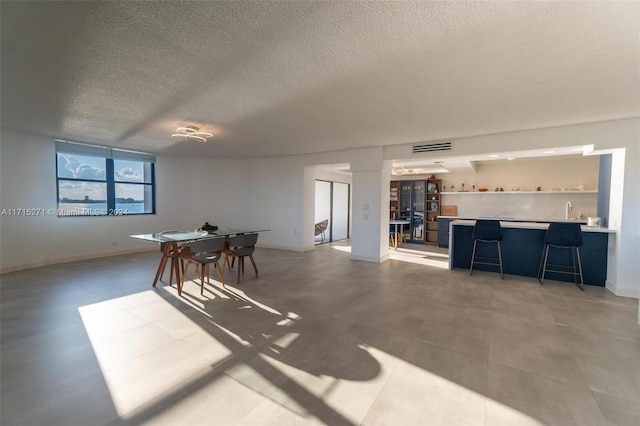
{"points": [[522, 246]]}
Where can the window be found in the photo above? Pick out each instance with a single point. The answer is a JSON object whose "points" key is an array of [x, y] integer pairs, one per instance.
{"points": [[98, 181]]}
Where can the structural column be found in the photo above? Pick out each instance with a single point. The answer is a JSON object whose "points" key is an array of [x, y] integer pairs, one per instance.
{"points": [[370, 233]]}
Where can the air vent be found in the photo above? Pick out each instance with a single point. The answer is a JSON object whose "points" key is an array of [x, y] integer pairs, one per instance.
{"points": [[432, 147]]}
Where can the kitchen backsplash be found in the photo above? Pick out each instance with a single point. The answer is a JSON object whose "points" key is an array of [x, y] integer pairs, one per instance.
{"points": [[523, 205]]}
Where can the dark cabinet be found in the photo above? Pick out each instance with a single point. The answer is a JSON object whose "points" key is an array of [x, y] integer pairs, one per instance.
{"points": [[412, 208], [443, 232], [394, 199], [419, 203]]}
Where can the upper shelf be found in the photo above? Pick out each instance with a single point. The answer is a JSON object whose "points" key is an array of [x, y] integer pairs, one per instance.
{"points": [[523, 192]]}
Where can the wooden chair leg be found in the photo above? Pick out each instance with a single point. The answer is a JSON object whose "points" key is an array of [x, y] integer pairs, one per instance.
{"points": [[225, 261], [253, 262], [220, 272], [184, 268], [176, 269]]}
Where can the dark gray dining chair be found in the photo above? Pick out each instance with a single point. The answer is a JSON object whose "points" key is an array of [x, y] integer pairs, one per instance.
{"points": [[241, 246], [204, 252]]}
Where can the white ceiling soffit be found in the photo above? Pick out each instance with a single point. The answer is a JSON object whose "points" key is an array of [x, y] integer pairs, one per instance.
{"points": [[342, 168], [283, 78], [469, 163]]}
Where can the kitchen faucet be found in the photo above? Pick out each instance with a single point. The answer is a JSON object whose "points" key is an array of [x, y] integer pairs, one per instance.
{"points": [[567, 210]]}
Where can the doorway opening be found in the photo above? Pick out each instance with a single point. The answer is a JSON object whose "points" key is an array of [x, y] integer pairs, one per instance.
{"points": [[332, 211]]}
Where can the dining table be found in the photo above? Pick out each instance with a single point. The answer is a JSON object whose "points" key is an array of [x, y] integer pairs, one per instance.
{"points": [[172, 240]]}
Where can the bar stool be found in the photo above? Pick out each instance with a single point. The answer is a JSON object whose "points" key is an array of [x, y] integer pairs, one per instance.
{"points": [[487, 231], [562, 236]]}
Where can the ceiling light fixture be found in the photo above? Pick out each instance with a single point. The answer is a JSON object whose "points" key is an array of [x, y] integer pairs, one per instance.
{"points": [[191, 133], [397, 171], [549, 152]]}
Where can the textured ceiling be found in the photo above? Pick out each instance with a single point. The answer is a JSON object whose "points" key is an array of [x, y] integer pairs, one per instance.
{"points": [[280, 78]]}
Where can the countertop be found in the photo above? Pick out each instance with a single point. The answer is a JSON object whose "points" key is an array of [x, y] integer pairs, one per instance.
{"points": [[529, 224], [517, 219], [514, 219]]}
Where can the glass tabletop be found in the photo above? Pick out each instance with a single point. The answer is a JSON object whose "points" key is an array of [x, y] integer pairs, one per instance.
{"points": [[177, 237]]}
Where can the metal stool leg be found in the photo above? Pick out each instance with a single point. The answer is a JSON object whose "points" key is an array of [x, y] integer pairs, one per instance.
{"points": [[473, 255], [581, 285], [500, 260], [576, 272], [543, 264], [484, 260]]}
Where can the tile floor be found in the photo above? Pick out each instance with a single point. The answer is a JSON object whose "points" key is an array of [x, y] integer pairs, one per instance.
{"points": [[317, 339]]}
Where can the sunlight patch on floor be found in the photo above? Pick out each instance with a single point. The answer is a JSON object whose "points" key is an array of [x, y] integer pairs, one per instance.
{"points": [[125, 332], [143, 360], [129, 333], [418, 257]]}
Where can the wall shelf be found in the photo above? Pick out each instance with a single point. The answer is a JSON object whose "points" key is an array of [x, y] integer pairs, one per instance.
{"points": [[521, 192]]}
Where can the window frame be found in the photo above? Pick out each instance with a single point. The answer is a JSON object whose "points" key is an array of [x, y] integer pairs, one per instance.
{"points": [[110, 155]]}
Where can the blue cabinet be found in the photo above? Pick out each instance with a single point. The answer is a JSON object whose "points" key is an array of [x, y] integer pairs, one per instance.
{"points": [[443, 232], [522, 250]]}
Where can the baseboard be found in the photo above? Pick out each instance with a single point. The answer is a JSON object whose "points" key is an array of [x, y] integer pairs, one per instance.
{"points": [[69, 259], [622, 292], [288, 248]]}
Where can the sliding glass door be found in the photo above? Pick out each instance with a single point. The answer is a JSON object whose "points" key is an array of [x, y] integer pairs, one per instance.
{"points": [[340, 212], [332, 211]]}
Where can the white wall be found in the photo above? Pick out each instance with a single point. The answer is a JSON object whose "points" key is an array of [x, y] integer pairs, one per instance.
{"points": [[272, 193], [190, 191], [27, 180]]}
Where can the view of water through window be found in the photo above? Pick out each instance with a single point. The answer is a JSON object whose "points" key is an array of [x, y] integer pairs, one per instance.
{"points": [[82, 186]]}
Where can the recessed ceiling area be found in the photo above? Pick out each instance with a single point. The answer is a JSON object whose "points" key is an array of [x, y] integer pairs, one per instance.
{"points": [[468, 163], [447, 164]]}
